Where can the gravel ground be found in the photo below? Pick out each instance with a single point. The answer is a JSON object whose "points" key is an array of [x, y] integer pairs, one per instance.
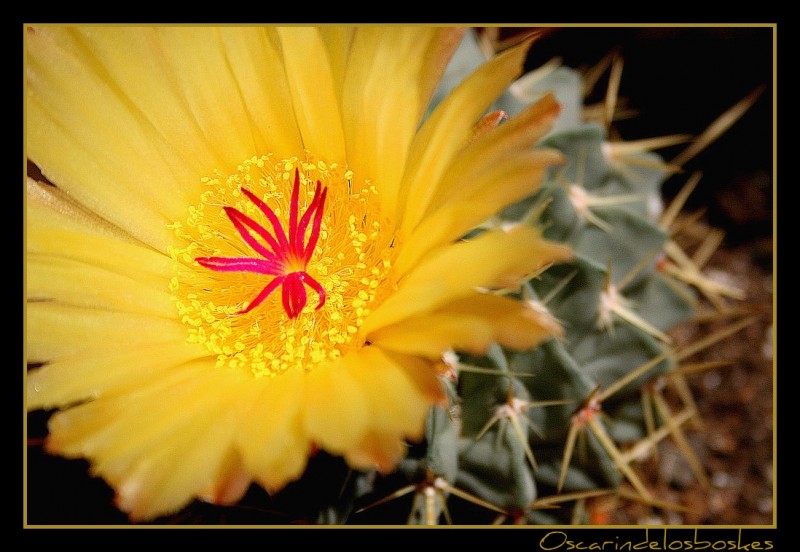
{"points": [[736, 406]]}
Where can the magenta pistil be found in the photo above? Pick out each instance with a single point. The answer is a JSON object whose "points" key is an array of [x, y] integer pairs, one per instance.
{"points": [[281, 255]]}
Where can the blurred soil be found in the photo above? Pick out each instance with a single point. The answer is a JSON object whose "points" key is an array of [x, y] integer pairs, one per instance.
{"points": [[736, 405]]}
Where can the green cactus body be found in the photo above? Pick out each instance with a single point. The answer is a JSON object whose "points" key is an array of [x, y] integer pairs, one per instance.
{"points": [[515, 411]]}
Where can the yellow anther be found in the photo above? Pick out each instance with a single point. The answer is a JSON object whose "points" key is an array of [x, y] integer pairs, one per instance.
{"points": [[351, 261]]}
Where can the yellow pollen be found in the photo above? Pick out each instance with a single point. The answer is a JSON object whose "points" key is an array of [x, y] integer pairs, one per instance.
{"points": [[352, 261]]}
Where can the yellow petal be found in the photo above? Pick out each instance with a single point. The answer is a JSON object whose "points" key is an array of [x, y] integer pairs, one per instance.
{"points": [[493, 259], [450, 126], [170, 477], [55, 330], [230, 484], [204, 77], [517, 325], [138, 63], [143, 264], [270, 437], [72, 378], [432, 334], [75, 283], [436, 58], [335, 405], [470, 324], [337, 39], [133, 410], [396, 406], [55, 230], [85, 176], [253, 57], [313, 91], [160, 445], [377, 451], [505, 184], [77, 258], [48, 206], [83, 133], [464, 176], [287, 464], [422, 374], [378, 134]]}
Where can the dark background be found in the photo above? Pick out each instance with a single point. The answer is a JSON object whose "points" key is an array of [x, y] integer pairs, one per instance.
{"points": [[679, 79]]}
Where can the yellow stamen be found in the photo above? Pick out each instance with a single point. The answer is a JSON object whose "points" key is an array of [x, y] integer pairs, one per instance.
{"points": [[351, 261]]}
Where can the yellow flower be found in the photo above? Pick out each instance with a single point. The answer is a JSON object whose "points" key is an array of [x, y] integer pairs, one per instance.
{"points": [[254, 248]]}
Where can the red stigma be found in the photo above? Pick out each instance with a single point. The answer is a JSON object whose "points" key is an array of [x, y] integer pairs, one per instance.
{"points": [[282, 254]]}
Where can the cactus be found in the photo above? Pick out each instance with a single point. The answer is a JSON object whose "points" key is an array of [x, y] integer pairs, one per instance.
{"points": [[567, 421]]}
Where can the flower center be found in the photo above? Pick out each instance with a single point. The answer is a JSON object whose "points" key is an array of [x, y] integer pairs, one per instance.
{"points": [[279, 264], [286, 258]]}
